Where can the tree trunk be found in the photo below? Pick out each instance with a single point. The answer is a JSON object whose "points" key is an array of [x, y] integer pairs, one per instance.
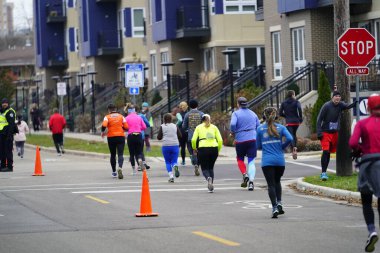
{"points": [[342, 23]]}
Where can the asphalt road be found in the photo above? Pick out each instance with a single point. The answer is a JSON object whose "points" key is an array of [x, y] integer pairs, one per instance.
{"points": [[78, 207]]}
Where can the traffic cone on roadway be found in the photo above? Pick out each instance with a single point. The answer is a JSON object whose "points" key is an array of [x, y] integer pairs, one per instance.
{"points": [[145, 205], [37, 165]]}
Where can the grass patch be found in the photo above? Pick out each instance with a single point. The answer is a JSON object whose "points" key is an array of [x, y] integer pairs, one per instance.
{"points": [[84, 145], [345, 183]]}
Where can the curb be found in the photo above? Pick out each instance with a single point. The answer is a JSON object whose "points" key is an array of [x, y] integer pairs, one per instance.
{"points": [[329, 192]]}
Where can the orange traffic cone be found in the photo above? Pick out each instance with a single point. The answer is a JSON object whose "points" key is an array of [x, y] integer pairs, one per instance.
{"points": [[145, 205], [37, 165]]}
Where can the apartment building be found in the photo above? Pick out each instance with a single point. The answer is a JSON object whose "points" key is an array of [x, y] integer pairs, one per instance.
{"points": [[302, 31]]}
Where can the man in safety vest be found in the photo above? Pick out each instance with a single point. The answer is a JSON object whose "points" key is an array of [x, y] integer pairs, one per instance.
{"points": [[7, 130]]}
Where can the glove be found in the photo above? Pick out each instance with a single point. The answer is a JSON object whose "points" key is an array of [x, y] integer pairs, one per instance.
{"points": [[320, 136], [355, 154]]}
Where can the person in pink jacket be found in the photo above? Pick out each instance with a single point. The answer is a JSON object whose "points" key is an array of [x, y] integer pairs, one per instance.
{"points": [[368, 150], [136, 126], [20, 137]]}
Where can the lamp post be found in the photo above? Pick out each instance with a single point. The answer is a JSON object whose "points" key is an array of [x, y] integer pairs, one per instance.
{"points": [[67, 80], [81, 77], [92, 73], [56, 79], [145, 88], [168, 81], [228, 53], [187, 61], [37, 81], [23, 93]]}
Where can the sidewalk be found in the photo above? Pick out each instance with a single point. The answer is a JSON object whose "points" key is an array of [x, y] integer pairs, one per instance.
{"points": [[226, 151]]}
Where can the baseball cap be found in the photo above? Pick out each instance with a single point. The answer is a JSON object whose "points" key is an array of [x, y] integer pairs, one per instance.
{"points": [[242, 101], [4, 100]]}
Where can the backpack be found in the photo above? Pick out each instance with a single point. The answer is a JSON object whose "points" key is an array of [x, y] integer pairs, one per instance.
{"points": [[194, 120]]}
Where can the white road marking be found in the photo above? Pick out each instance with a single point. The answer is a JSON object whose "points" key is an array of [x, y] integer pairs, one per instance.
{"points": [[259, 204], [311, 166], [157, 190], [1, 215]]}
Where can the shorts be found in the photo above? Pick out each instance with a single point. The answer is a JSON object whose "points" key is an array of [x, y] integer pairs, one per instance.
{"points": [[247, 148], [329, 141]]}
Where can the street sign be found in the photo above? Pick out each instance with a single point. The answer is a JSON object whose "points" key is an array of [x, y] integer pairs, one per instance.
{"points": [[134, 75], [356, 47], [363, 101], [61, 89], [134, 90], [353, 71]]}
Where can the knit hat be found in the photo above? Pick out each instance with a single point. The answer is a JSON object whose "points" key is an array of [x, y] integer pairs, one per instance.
{"points": [[242, 101], [374, 101], [193, 103], [336, 93], [145, 104], [4, 100]]}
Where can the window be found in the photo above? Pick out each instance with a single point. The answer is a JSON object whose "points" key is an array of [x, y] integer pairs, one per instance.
{"points": [[138, 22], [164, 58], [298, 41], [246, 57], [208, 59], [239, 6], [377, 37], [212, 7], [153, 66], [277, 62]]}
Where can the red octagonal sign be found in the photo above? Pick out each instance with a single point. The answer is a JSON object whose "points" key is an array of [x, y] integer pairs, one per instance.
{"points": [[356, 47]]}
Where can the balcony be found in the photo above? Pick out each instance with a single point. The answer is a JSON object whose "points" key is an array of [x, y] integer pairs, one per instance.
{"points": [[110, 42], [192, 21], [259, 13], [286, 6], [55, 13], [57, 58]]}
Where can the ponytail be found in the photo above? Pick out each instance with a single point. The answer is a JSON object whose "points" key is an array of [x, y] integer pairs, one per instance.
{"points": [[270, 114]]}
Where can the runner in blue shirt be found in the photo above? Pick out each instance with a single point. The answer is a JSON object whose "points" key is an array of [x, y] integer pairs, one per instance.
{"points": [[270, 140]]}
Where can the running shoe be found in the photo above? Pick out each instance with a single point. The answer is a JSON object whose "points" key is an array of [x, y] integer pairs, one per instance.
{"points": [[196, 170], [250, 186], [210, 186], [134, 171], [280, 209], [114, 174], [176, 170], [18, 153], [245, 180], [141, 165], [371, 241], [120, 173], [183, 163], [146, 166], [294, 153], [324, 176], [62, 150], [275, 213], [171, 180]]}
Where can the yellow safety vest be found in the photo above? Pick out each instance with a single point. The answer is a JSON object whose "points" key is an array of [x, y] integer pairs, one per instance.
{"points": [[3, 118]]}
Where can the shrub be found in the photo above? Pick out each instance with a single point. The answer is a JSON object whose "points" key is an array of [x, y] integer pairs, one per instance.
{"points": [[313, 146], [294, 86], [307, 117], [323, 97], [83, 123], [156, 97]]}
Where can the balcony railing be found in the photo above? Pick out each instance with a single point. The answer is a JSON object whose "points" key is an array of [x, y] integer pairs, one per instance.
{"points": [[57, 58], [193, 21], [110, 42]]}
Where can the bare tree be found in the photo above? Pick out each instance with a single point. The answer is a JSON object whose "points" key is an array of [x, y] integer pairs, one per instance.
{"points": [[342, 23]]}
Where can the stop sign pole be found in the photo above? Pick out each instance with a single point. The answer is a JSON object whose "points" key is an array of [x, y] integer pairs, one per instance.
{"points": [[356, 48]]}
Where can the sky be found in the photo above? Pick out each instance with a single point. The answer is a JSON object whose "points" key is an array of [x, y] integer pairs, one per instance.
{"points": [[23, 11]]}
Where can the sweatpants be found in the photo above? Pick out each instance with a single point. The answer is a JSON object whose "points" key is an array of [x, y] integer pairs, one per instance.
{"points": [[6, 151], [207, 157], [20, 147], [273, 176], [116, 143], [170, 154], [368, 213]]}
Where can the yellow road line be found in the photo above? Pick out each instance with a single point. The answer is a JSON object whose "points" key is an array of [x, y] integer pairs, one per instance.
{"points": [[215, 238], [97, 199]]}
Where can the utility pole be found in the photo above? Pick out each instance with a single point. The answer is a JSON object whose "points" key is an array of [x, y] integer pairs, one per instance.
{"points": [[341, 24]]}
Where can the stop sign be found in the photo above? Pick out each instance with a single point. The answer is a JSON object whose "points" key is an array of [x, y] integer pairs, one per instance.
{"points": [[356, 47]]}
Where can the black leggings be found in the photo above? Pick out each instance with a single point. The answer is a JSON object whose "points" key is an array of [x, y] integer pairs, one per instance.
{"points": [[325, 160], [58, 142], [135, 147], [368, 213], [116, 143], [182, 144], [293, 131], [273, 176], [207, 158]]}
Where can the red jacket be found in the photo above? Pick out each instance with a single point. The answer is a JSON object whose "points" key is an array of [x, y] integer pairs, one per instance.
{"points": [[57, 123]]}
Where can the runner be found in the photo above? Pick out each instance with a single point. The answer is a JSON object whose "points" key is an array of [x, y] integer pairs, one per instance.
{"points": [[20, 137], [192, 119], [270, 141], [328, 127], [369, 167], [244, 123], [115, 123], [169, 133], [138, 111], [207, 142], [135, 127], [180, 117]]}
